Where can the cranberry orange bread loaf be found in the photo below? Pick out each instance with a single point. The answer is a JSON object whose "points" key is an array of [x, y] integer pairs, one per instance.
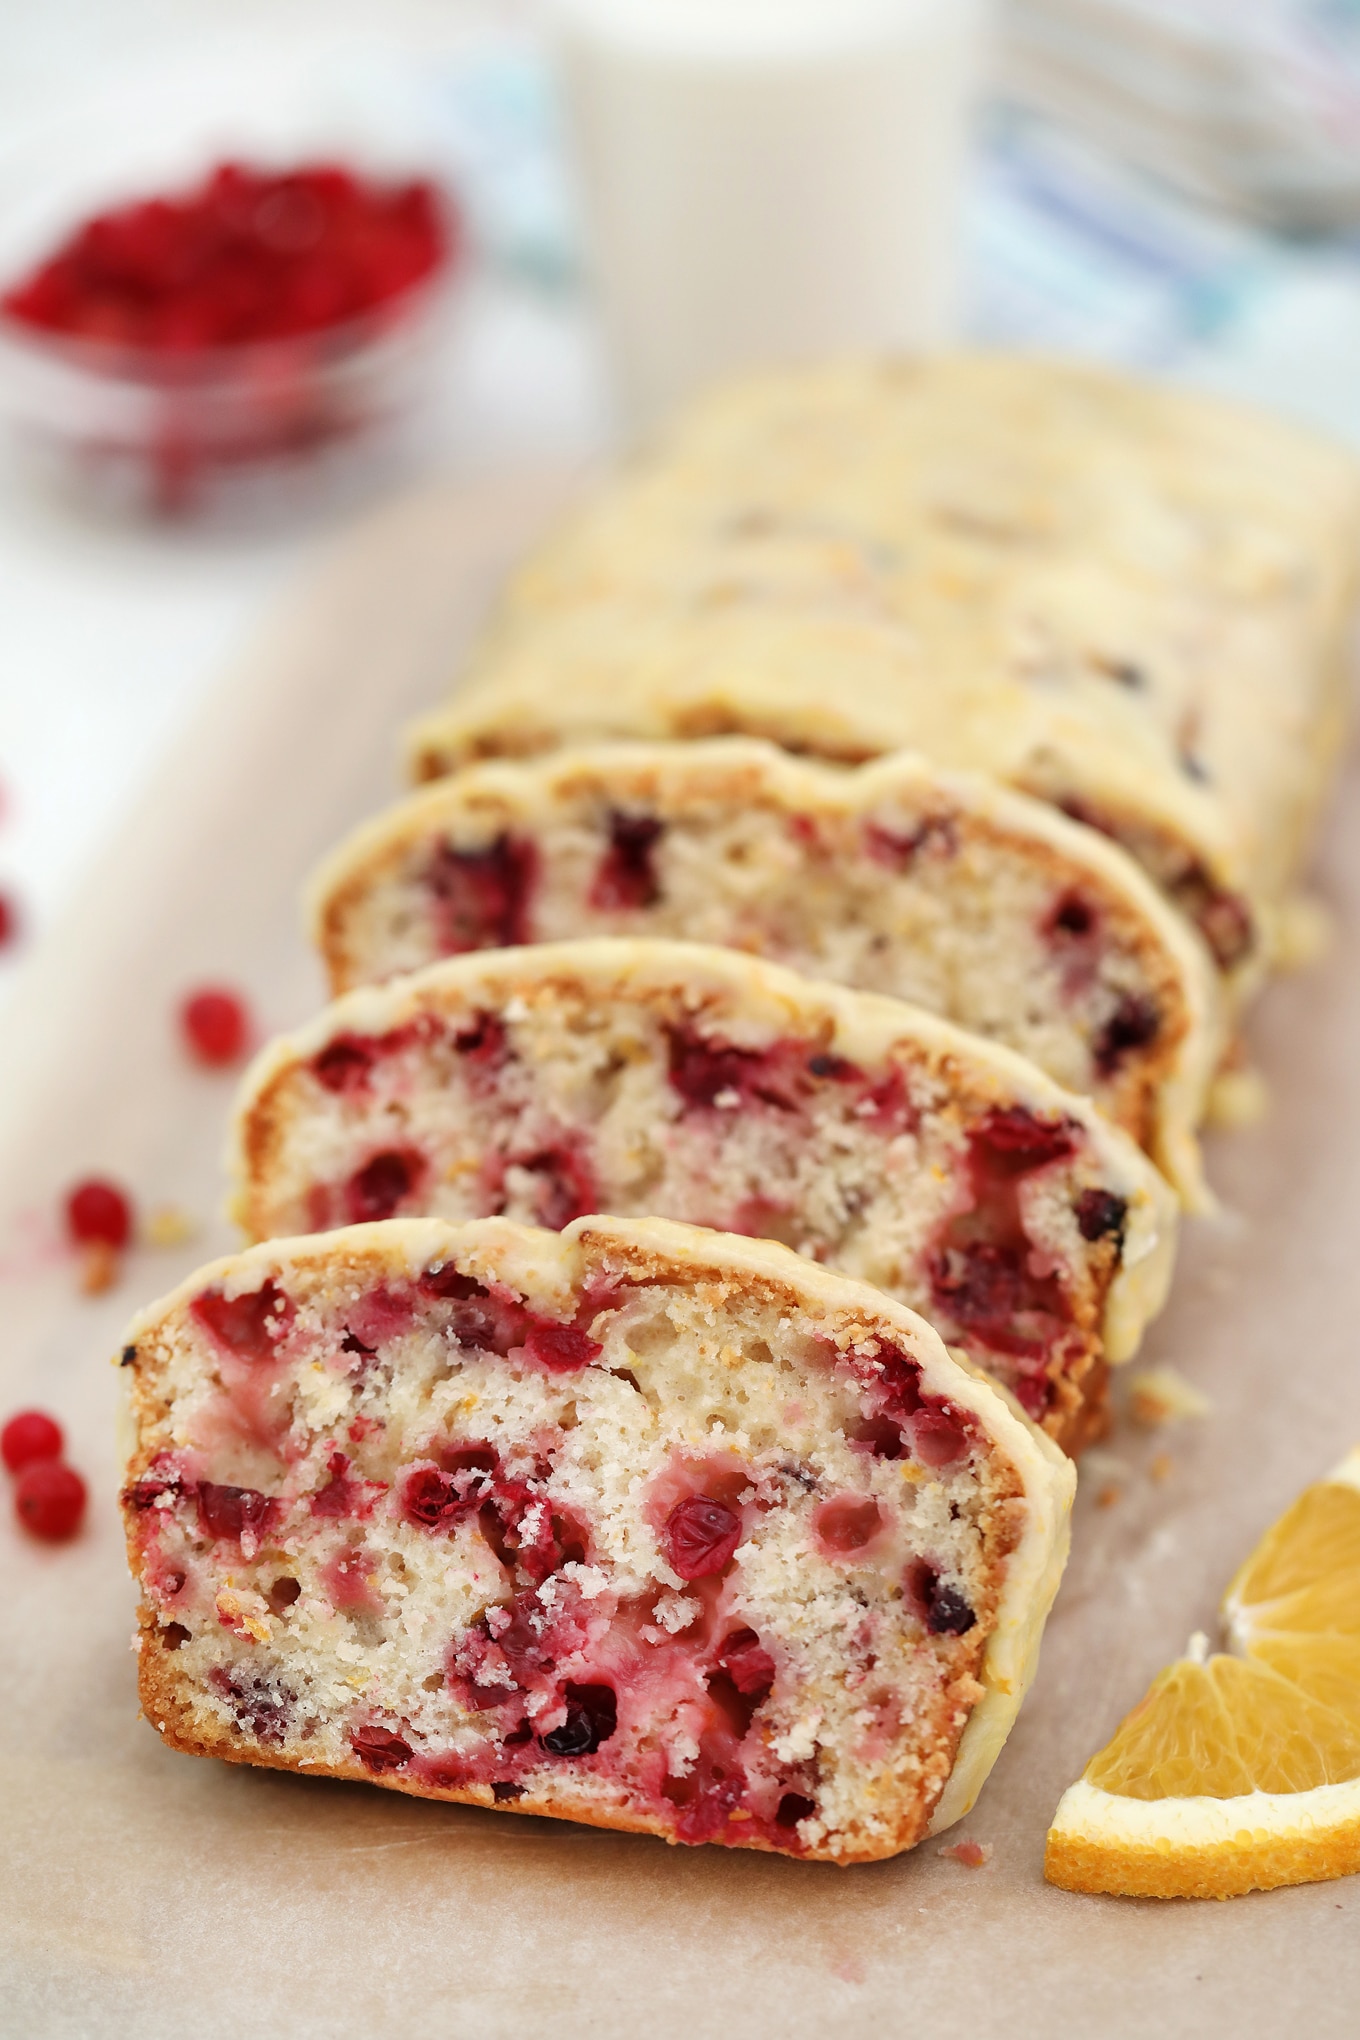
{"points": [[636, 1525], [938, 887], [1131, 601], [637, 1077]]}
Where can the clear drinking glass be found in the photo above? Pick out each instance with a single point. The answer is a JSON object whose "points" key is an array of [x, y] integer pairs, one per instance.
{"points": [[766, 180]]}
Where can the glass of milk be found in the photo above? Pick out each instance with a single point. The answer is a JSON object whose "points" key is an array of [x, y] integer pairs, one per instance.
{"points": [[766, 180]]}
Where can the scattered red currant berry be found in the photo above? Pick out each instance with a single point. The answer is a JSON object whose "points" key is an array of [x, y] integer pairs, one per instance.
{"points": [[29, 1436], [9, 920], [49, 1499], [98, 1213], [216, 1026]]}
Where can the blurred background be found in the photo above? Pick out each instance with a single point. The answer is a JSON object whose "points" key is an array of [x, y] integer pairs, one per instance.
{"points": [[630, 196]]}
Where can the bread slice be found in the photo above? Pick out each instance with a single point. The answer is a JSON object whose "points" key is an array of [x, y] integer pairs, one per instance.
{"points": [[939, 887], [637, 1077], [633, 1525], [1132, 601]]}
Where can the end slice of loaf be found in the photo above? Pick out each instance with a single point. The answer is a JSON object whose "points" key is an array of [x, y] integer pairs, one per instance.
{"points": [[635, 1525], [696, 1083], [1133, 601], [943, 888]]}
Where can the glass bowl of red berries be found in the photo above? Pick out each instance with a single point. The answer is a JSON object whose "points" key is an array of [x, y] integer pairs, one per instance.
{"points": [[256, 321]]}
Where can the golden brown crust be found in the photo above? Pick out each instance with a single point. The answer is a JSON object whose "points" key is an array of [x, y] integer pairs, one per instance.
{"points": [[165, 1703]]}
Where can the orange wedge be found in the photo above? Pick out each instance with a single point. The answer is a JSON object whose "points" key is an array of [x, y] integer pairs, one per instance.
{"points": [[1238, 1772]]}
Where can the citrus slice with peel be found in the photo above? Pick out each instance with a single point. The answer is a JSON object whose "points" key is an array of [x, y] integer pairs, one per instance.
{"points": [[1240, 1771]]}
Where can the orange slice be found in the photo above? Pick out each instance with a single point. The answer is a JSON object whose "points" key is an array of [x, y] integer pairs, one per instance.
{"points": [[1240, 1772]]}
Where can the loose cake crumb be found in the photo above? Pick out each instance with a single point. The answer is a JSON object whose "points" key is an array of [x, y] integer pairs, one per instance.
{"points": [[1162, 1395], [973, 1855], [168, 1225]]}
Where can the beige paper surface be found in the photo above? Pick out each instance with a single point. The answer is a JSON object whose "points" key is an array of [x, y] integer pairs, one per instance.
{"points": [[144, 1893]]}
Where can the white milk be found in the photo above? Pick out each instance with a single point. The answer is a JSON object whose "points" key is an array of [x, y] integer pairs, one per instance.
{"points": [[766, 180]]}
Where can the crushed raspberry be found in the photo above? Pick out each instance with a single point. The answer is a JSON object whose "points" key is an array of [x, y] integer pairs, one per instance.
{"points": [[378, 1315], [592, 1716], [246, 255], [347, 1580], [343, 1497], [943, 1609], [379, 1749], [383, 1185], [1011, 1141], [233, 1511], [902, 1419], [748, 1665], [443, 1278], [494, 1321], [481, 897], [9, 920], [627, 872], [49, 1499], [1099, 1213], [484, 1042], [898, 1378], [898, 850], [216, 1026], [261, 1705], [879, 1435], [250, 1325], [846, 1524], [1072, 919], [950, 1614], [98, 1213], [344, 1064], [713, 1791], [1133, 1024], [700, 1536], [564, 1187], [938, 1437], [30, 1436], [708, 1071], [988, 1289], [527, 1535], [702, 1071], [438, 1497], [153, 1491], [562, 1349], [491, 1321], [983, 1273]]}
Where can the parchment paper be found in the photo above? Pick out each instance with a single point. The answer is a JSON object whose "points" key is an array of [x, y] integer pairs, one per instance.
{"points": [[144, 1893]]}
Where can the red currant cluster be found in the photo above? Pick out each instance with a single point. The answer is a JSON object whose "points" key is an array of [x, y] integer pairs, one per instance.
{"points": [[249, 255], [49, 1495]]}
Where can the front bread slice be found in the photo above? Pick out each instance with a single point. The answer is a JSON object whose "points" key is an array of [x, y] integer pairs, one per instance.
{"points": [[636, 1525]]}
